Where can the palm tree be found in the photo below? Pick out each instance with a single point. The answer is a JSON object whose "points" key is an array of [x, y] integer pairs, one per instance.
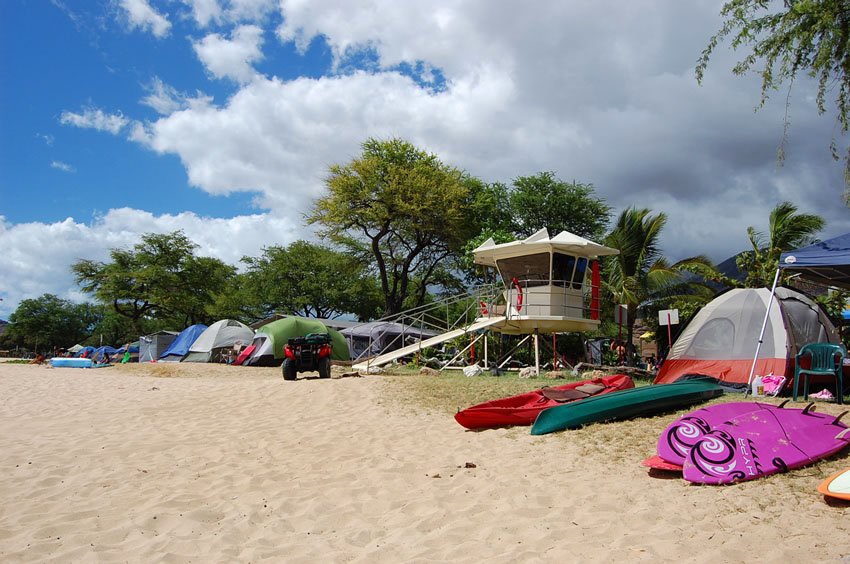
{"points": [[640, 275], [787, 230]]}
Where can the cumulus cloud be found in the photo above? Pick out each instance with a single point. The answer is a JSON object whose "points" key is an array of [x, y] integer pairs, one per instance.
{"points": [[140, 14], [64, 167], [231, 58], [226, 239], [95, 118]]}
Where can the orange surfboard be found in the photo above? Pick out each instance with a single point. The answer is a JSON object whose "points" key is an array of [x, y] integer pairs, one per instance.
{"points": [[837, 485]]}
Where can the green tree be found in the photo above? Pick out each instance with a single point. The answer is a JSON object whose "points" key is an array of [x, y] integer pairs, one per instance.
{"points": [[50, 321], [640, 276], [791, 38], [544, 201], [312, 281], [160, 278], [787, 230], [403, 212]]}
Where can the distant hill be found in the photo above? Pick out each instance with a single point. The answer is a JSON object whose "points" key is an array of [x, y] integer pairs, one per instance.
{"points": [[730, 269]]}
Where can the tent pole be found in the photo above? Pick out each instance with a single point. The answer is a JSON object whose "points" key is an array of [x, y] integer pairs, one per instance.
{"points": [[761, 335]]}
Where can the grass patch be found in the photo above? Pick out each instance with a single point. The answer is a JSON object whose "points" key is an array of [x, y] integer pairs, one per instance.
{"points": [[451, 390]]}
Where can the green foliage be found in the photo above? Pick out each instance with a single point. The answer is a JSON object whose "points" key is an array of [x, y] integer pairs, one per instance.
{"points": [[159, 278], [309, 280], [49, 321], [543, 201], [809, 37], [409, 210], [640, 276], [788, 230]]}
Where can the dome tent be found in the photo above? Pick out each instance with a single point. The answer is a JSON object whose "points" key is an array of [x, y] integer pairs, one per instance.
{"points": [[217, 337], [271, 338], [720, 339], [179, 347]]}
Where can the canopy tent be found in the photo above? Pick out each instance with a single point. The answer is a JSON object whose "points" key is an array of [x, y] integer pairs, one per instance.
{"points": [[827, 262], [217, 337], [179, 347], [75, 349], [379, 337], [271, 338]]}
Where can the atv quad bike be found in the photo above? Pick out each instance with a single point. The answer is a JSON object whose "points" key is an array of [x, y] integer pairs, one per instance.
{"points": [[310, 353]]}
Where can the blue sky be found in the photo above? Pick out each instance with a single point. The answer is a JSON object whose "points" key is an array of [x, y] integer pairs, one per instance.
{"points": [[220, 118]]}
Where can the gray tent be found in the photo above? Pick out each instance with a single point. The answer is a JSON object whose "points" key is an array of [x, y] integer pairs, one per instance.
{"points": [[378, 337], [217, 337], [153, 345]]}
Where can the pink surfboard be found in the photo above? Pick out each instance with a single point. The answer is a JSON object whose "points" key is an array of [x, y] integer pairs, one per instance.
{"points": [[679, 437], [764, 442]]}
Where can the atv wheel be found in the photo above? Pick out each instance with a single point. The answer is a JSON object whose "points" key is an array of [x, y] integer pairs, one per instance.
{"points": [[324, 367], [289, 370]]}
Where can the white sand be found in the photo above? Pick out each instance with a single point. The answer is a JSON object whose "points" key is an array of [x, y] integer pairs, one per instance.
{"points": [[237, 465]]}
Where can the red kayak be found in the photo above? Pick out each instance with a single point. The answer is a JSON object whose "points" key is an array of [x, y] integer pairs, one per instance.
{"points": [[523, 408]]}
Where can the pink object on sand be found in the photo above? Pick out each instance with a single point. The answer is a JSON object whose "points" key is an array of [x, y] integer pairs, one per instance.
{"points": [[764, 442], [676, 441]]}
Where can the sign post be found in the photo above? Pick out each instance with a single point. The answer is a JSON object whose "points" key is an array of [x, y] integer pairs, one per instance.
{"points": [[668, 317]]}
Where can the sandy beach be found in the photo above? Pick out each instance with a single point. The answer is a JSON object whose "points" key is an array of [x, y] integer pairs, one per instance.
{"points": [[213, 463]]}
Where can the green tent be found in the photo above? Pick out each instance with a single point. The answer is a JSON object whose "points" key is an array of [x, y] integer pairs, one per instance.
{"points": [[271, 338]]}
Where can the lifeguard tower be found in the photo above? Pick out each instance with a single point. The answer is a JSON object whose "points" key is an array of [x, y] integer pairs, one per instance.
{"points": [[550, 285]]}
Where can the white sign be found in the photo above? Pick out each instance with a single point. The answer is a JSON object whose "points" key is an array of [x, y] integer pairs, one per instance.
{"points": [[621, 314], [668, 317]]}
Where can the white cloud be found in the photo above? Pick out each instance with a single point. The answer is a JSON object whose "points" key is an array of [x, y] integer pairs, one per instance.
{"points": [[231, 58], [163, 98], [140, 14], [34, 264], [95, 118], [205, 11], [64, 167]]}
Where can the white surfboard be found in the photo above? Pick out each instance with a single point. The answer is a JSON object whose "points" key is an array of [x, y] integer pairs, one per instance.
{"points": [[837, 485]]}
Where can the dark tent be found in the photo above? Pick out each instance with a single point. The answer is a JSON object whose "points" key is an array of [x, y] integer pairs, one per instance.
{"points": [[379, 337], [180, 346], [153, 345]]}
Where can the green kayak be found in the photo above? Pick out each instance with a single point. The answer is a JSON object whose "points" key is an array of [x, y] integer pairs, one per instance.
{"points": [[625, 404]]}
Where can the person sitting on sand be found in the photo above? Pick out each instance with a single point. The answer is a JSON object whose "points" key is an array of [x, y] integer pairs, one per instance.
{"points": [[39, 359]]}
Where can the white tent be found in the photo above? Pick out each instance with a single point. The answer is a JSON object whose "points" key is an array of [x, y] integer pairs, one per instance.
{"points": [[217, 337]]}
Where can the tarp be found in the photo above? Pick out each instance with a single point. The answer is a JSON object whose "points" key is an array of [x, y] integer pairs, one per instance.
{"points": [[180, 346], [382, 337], [827, 262], [217, 337], [720, 339], [269, 351]]}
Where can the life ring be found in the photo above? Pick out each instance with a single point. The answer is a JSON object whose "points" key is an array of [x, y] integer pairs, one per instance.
{"points": [[515, 282], [484, 310]]}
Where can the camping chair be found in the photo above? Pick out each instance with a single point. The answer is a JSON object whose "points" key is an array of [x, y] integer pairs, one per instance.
{"points": [[827, 360]]}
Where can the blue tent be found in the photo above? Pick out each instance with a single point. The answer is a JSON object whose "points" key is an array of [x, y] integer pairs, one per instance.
{"points": [[104, 353], [827, 262], [180, 346]]}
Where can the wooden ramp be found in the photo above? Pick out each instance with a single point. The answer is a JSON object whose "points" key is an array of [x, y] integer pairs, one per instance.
{"points": [[415, 347]]}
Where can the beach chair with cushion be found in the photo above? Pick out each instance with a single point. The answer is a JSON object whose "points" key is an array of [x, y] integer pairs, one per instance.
{"points": [[827, 359]]}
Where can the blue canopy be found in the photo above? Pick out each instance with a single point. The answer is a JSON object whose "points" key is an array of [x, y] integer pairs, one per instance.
{"points": [[827, 262], [180, 346]]}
